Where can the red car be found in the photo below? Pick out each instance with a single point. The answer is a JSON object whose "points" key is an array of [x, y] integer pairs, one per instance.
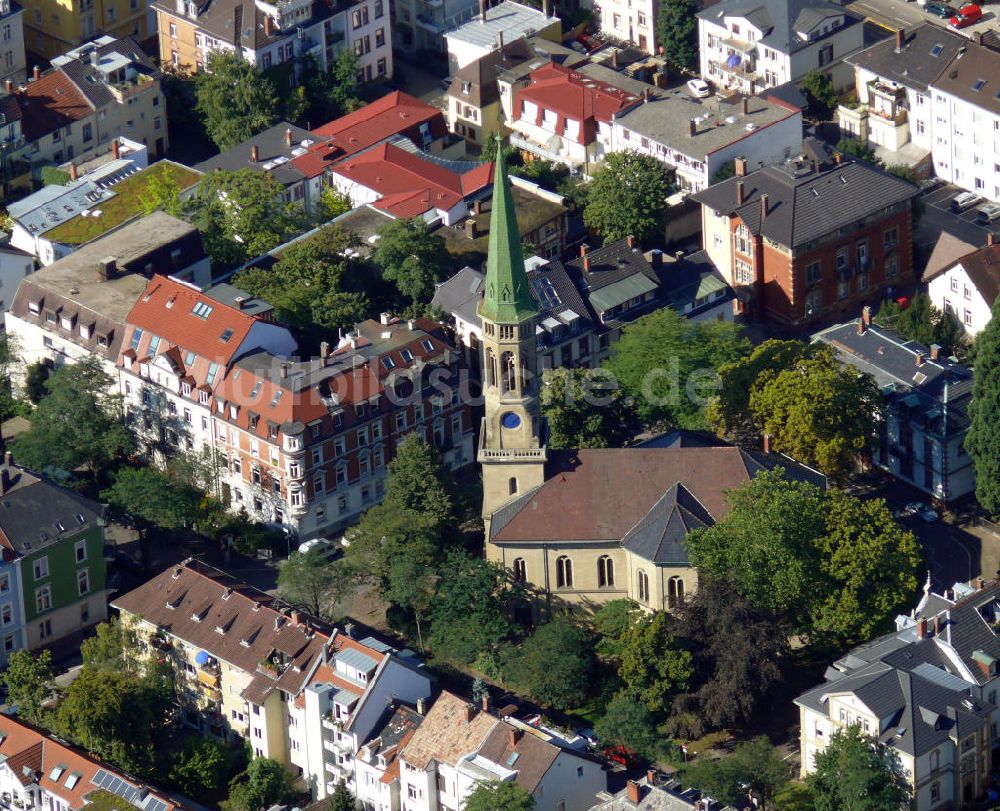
{"points": [[967, 15]]}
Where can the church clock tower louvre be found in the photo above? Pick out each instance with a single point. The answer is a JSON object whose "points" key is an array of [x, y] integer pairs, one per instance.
{"points": [[512, 441]]}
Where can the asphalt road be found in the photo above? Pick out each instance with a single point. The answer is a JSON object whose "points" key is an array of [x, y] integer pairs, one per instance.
{"points": [[895, 14], [938, 217]]}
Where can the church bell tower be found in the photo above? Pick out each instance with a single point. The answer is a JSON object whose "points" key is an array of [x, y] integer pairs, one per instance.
{"points": [[512, 442]]}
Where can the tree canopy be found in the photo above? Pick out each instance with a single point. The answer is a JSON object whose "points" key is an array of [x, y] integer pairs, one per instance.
{"points": [[264, 783], [666, 365], [921, 321], [555, 664], [307, 579], [857, 773], [76, 424], [983, 440], [203, 766], [234, 99], [627, 197], [30, 682], [412, 258], [497, 795], [754, 766], [585, 409], [677, 32], [628, 722], [654, 665], [820, 94], [151, 496]]}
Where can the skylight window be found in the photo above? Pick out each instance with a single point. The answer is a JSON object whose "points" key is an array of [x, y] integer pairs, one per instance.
{"points": [[189, 359], [388, 363], [57, 772], [936, 50], [277, 397], [407, 355], [154, 344], [428, 344], [213, 370], [226, 335], [256, 389], [136, 337], [72, 780], [202, 310], [979, 85]]}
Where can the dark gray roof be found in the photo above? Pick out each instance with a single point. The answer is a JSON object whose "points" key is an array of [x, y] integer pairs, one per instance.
{"points": [[611, 263], [780, 20], [806, 205], [36, 513], [928, 49], [973, 76], [789, 93], [684, 438], [690, 279], [90, 81], [234, 297], [936, 394], [273, 150], [659, 536]]}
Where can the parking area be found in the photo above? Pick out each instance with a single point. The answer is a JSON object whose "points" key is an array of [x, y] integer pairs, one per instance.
{"points": [[939, 218], [894, 14]]}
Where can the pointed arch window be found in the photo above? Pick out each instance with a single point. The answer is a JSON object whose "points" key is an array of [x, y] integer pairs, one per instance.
{"points": [[605, 572], [520, 571], [675, 592], [564, 573], [508, 373], [642, 585], [512, 485], [491, 367]]}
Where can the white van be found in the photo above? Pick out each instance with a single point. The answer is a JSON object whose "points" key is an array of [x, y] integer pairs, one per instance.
{"points": [[324, 546]]}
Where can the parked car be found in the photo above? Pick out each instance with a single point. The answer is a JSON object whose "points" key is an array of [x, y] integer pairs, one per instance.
{"points": [[699, 88], [989, 213], [942, 10], [965, 201], [324, 546], [967, 15], [929, 515]]}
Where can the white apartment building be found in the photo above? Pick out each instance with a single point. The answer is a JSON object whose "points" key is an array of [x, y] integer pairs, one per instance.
{"points": [[12, 55], [631, 22], [968, 288], [696, 138], [750, 48], [506, 21]]}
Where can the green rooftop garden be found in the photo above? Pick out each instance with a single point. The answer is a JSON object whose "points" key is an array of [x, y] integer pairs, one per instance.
{"points": [[102, 800], [124, 206]]}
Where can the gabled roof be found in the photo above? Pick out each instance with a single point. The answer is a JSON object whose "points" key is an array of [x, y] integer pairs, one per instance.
{"points": [[445, 735], [659, 536], [481, 74], [780, 21], [983, 269], [276, 155], [530, 756], [947, 251], [50, 103], [806, 205], [573, 95], [89, 80], [973, 75], [926, 51]]}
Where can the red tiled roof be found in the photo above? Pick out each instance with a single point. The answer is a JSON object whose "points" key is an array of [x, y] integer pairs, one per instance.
{"points": [[26, 748], [407, 184], [390, 115], [572, 96], [51, 102]]}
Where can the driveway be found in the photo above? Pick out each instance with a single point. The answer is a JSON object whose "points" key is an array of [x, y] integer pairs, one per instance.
{"points": [[938, 218]]}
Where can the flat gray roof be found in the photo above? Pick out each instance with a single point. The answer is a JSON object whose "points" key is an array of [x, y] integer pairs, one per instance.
{"points": [[513, 19]]}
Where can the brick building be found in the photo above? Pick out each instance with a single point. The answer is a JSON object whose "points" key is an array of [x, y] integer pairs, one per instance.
{"points": [[803, 242]]}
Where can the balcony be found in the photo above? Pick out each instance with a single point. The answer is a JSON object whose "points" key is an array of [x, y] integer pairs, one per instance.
{"points": [[508, 454], [208, 679], [551, 150]]}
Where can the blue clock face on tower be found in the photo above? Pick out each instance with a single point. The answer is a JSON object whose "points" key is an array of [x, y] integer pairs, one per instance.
{"points": [[510, 420]]}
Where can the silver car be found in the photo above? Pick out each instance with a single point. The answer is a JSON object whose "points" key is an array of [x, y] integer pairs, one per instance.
{"points": [[989, 213]]}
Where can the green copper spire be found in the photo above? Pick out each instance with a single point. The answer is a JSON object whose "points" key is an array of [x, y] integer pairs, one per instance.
{"points": [[508, 298]]}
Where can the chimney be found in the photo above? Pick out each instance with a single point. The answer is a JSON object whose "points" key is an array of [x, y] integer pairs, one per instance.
{"points": [[268, 25], [240, 302], [477, 207], [513, 736], [500, 40], [485, 701], [614, 58], [584, 248], [385, 318], [678, 255], [421, 707], [546, 8], [586, 263], [95, 58], [296, 617], [630, 239], [634, 792], [979, 583], [745, 106], [767, 443], [900, 40], [656, 258], [740, 166], [255, 154], [866, 315], [990, 240], [482, 11], [470, 228], [411, 325], [107, 268], [74, 173], [468, 713], [36, 73], [288, 137], [349, 629], [739, 192], [5, 481], [116, 149], [763, 207], [920, 359], [8, 85], [921, 628], [284, 371], [837, 158], [979, 37], [651, 777], [692, 127], [935, 351]]}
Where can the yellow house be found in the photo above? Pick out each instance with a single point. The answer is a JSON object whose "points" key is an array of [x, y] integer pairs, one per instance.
{"points": [[52, 27], [583, 527]]}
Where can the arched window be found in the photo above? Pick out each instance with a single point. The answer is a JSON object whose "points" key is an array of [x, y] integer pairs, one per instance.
{"points": [[491, 368], [508, 373], [520, 571], [564, 573], [642, 581], [675, 592], [605, 572], [512, 485]]}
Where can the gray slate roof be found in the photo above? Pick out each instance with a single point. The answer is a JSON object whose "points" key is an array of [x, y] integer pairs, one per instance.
{"points": [[780, 20], [90, 80], [920, 61], [807, 205], [272, 148], [659, 536]]}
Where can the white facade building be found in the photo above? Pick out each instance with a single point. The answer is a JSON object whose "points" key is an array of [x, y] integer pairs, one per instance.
{"points": [[504, 22], [628, 21], [12, 56], [968, 288]]}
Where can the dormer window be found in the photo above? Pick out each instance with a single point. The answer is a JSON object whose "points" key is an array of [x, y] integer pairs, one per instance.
{"points": [[234, 411], [86, 330], [186, 389], [34, 307], [203, 397]]}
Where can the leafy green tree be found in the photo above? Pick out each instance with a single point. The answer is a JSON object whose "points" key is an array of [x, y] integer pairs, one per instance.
{"points": [[309, 580], [34, 382], [162, 192], [118, 717], [613, 620], [729, 413], [555, 664], [113, 649], [654, 664], [855, 148], [76, 424], [264, 783], [666, 364], [332, 204], [331, 93], [342, 799], [417, 481], [820, 94], [203, 765], [628, 722], [510, 152], [411, 585], [585, 409], [314, 283], [754, 767], [29, 681], [857, 773], [983, 440], [412, 258], [677, 32], [921, 321], [627, 197], [499, 796], [235, 101], [469, 615], [901, 170], [9, 356], [724, 172], [819, 411], [150, 495]]}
